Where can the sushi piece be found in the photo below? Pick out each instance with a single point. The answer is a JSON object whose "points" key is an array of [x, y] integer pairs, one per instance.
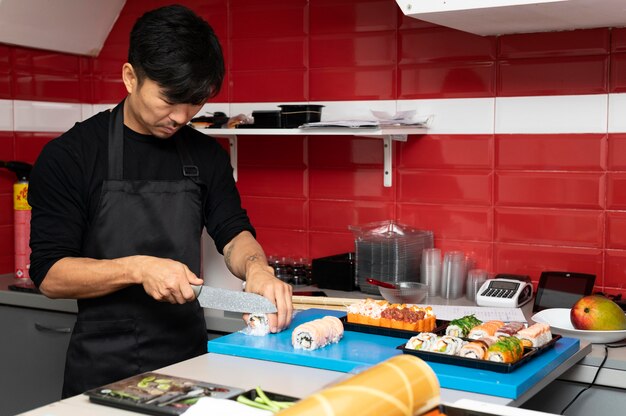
{"points": [[510, 329], [317, 333], [462, 326], [486, 329], [408, 318], [477, 349], [367, 311], [535, 335], [506, 350], [335, 327], [422, 341], [448, 345], [257, 325]]}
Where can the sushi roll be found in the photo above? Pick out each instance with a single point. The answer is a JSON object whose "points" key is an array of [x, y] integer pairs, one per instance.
{"points": [[535, 335], [335, 327], [317, 333], [408, 318], [392, 316], [462, 326], [258, 325], [367, 311], [477, 349], [510, 329], [506, 350], [422, 341], [486, 329], [447, 344]]}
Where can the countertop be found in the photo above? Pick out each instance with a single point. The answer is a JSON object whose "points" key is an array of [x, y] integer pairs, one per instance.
{"points": [[612, 374], [279, 377], [247, 373]]}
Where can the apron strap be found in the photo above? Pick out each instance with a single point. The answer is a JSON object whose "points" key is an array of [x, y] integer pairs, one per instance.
{"points": [[190, 169], [116, 143]]}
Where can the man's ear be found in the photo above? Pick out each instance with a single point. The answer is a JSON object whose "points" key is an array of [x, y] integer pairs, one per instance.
{"points": [[129, 77]]}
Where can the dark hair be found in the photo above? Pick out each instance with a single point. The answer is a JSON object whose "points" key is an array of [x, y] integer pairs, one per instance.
{"points": [[178, 50]]}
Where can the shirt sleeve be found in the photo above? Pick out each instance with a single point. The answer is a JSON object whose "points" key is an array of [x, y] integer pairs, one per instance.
{"points": [[58, 210], [223, 214]]}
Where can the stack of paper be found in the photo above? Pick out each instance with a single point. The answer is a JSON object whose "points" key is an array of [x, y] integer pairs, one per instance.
{"points": [[382, 120]]}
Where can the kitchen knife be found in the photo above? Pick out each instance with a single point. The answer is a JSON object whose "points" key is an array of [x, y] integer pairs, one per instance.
{"points": [[234, 301]]}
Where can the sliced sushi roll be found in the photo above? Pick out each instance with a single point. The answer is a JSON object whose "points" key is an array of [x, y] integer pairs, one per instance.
{"points": [[462, 326], [335, 327], [486, 329], [366, 311], [258, 325], [422, 341], [477, 349], [506, 350], [306, 337], [510, 329], [317, 333], [447, 344], [535, 335]]}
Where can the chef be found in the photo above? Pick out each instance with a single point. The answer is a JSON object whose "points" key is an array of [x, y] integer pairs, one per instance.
{"points": [[119, 203]]}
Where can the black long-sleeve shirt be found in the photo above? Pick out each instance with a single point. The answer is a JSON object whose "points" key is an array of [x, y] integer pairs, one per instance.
{"points": [[66, 182]]}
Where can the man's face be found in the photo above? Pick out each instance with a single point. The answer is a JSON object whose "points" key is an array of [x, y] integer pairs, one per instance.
{"points": [[147, 111]]}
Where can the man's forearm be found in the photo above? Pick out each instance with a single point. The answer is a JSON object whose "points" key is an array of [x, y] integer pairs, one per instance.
{"points": [[244, 253], [76, 278]]}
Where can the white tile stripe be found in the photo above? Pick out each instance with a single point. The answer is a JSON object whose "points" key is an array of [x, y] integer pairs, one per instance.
{"points": [[552, 114], [599, 113]]}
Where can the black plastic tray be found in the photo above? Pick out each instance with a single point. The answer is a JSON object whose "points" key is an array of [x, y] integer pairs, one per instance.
{"points": [[144, 401], [440, 328], [437, 357]]}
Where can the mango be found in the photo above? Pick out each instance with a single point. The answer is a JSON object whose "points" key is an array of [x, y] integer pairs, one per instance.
{"points": [[597, 313]]}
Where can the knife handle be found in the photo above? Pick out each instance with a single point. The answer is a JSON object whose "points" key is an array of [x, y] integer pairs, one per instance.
{"points": [[196, 289]]}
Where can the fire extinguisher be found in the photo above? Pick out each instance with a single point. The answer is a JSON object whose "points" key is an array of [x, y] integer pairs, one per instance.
{"points": [[21, 221]]}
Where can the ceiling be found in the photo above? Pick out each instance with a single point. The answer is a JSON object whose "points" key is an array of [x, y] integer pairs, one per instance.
{"points": [[71, 26], [499, 17]]}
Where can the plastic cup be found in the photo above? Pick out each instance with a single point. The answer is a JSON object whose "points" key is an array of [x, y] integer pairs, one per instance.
{"points": [[475, 279], [453, 275], [430, 270]]}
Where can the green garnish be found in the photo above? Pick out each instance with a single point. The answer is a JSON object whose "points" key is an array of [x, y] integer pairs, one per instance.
{"points": [[264, 402]]}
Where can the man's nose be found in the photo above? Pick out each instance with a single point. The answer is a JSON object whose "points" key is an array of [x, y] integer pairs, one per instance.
{"points": [[180, 114]]}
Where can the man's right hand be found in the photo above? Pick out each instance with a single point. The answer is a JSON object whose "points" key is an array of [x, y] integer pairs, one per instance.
{"points": [[164, 279]]}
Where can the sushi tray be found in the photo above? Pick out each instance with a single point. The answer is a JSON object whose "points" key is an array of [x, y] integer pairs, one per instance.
{"points": [[158, 394], [389, 332], [442, 358]]}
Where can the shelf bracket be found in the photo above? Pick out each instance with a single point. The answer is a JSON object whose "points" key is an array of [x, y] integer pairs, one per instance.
{"points": [[388, 140], [387, 161], [232, 143]]}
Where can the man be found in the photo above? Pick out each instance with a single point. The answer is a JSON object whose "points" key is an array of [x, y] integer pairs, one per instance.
{"points": [[119, 202]]}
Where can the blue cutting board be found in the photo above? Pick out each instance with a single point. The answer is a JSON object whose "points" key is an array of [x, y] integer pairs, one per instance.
{"points": [[357, 351]]}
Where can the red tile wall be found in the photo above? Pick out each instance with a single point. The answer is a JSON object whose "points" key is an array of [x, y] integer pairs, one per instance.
{"points": [[517, 203]]}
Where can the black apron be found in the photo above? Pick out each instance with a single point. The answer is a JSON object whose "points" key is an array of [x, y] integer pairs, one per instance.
{"points": [[128, 332]]}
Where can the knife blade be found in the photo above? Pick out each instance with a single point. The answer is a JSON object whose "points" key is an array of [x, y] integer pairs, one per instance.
{"points": [[234, 301]]}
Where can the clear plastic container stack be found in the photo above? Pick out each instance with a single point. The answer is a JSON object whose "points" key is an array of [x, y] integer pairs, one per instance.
{"points": [[388, 252]]}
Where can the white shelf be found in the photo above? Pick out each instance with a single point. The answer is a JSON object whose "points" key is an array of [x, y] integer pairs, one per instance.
{"points": [[388, 135], [499, 17]]}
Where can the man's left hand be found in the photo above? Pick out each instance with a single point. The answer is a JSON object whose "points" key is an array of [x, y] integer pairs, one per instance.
{"points": [[261, 280]]}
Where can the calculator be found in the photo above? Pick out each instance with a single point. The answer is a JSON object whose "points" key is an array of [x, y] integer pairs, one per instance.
{"points": [[505, 292]]}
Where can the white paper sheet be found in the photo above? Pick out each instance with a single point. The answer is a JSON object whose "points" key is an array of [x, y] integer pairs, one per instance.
{"points": [[212, 406], [450, 312]]}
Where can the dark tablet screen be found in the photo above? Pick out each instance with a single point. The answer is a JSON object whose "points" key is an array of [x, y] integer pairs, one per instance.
{"points": [[562, 289]]}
